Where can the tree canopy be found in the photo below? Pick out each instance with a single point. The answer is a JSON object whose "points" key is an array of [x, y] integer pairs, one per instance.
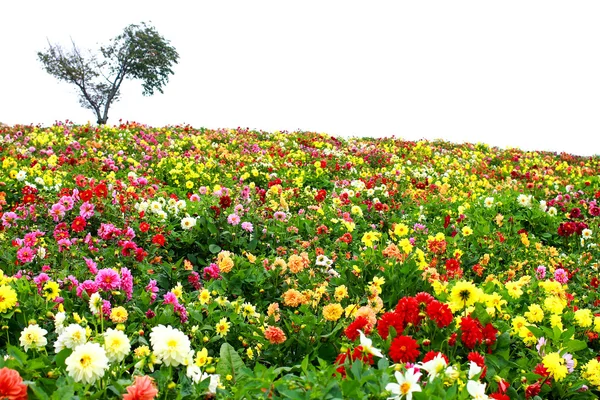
{"points": [[139, 52]]}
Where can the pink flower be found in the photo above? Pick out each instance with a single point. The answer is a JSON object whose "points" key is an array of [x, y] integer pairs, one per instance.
{"points": [[25, 254], [279, 216], [170, 298], [108, 279], [57, 212], [90, 287], [8, 219], [67, 202], [233, 219], [152, 288], [561, 276], [247, 226], [92, 266], [86, 210], [127, 282]]}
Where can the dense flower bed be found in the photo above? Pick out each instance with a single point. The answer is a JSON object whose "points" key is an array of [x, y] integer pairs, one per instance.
{"points": [[174, 262]]}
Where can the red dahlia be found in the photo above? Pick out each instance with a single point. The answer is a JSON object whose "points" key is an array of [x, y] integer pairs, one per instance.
{"points": [[404, 349]]}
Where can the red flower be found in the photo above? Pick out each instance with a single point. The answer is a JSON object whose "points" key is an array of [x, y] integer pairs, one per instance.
{"points": [[440, 313], [499, 396], [390, 319], [404, 349], [144, 227], [533, 390], [452, 339], [471, 332], [143, 388], [595, 282], [11, 385], [78, 224], [224, 202], [351, 331], [489, 336], [158, 240], [101, 190], [424, 298], [408, 308], [540, 369], [86, 195]]}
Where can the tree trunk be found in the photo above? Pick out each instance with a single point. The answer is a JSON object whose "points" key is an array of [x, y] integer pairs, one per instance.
{"points": [[102, 121]]}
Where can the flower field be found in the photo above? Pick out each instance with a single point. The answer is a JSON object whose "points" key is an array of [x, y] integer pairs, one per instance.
{"points": [[183, 263]]}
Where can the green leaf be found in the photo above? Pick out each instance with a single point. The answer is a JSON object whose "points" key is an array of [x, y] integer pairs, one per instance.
{"points": [[60, 358], [536, 331], [573, 346], [37, 392], [213, 248], [230, 362], [63, 392], [17, 354]]}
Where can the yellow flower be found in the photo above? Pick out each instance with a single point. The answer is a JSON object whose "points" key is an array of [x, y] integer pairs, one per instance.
{"points": [[591, 372], [201, 357], [370, 237], [51, 290], [494, 300], [556, 321], [514, 289], [535, 313], [554, 304], [119, 315], [400, 230], [189, 184], [341, 292], [333, 312], [584, 317], [464, 294], [519, 326], [222, 327], [406, 245], [597, 324], [555, 365], [178, 290], [467, 231], [204, 296], [8, 298]]}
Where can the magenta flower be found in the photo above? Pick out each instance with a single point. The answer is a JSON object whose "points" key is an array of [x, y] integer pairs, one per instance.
{"points": [[108, 279], [92, 266], [152, 288], [540, 272]]}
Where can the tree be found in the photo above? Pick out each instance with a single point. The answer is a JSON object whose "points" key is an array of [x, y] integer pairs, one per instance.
{"points": [[137, 53]]}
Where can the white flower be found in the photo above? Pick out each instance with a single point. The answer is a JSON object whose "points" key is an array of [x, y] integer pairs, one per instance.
{"points": [[33, 337], [188, 223], [477, 390], [524, 200], [21, 175], [87, 363], [59, 321], [586, 234], [434, 366], [215, 379], [170, 345], [407, 384], [116, 344], [488, 202], [474, 369], [367, 345], [552, 211], [95, 303], [72, 336], [543, 205]]}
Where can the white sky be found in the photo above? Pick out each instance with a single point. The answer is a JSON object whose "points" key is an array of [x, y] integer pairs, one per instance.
{"points": [[522, 73]]}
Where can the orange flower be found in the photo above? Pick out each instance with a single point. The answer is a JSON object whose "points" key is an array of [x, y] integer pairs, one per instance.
{"points": [[293, 298], [11, 385], [295, 264], [275, 335], [225, 264], [143, 388]]}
